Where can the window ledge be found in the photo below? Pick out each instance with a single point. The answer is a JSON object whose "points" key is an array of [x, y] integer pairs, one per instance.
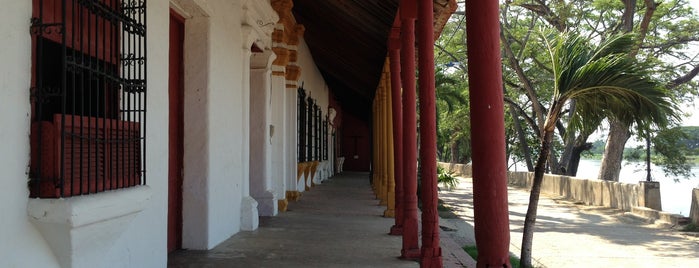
{"points": [[80, 230]]}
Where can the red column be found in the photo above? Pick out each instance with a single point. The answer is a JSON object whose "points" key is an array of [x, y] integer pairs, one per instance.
{"points": [[408, 11], [488, 136], [431, 251], [397, 105]]}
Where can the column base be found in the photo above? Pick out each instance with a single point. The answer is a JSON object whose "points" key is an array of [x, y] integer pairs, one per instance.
{"points": [[410, 254], [267, 207], [293, 195], [431, 257], [282, 204], [389, 213], [249, 219], [396, 230]]}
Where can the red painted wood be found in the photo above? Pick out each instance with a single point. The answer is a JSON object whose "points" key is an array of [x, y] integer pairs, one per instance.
{"points": [[89, 165], [176, 131], [410, 239], [84, 31], [356, 139], [488, 142], [431, 251], [397, 106]]}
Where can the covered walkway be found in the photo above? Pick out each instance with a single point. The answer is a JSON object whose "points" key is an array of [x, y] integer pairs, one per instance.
{"points": [[338, 224]]}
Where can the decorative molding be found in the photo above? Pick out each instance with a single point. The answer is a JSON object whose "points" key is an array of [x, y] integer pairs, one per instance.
{"points": [[262, 60], [293, 72], [262, 19], [286, 37]]}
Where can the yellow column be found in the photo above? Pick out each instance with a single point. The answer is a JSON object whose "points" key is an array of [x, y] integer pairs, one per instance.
{"points": [[381, 165], [374, 151], [390, 176]]}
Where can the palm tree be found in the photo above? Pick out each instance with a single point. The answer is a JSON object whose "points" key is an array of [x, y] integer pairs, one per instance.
{"points": [[604, 82], [450, 102]]}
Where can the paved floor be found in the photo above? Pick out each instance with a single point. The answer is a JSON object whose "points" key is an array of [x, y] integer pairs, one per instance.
{"points": [[572, 235], [336, 224]]}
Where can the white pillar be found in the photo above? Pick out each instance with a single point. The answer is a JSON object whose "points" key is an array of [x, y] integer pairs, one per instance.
{"points": [[261, 187]]}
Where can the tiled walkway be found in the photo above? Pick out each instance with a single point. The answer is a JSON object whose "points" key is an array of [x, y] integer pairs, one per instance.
{"points": [[336, 224]]}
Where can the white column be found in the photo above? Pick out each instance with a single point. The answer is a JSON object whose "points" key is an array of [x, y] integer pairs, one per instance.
{"points": [[249, 220], [261, 187]]}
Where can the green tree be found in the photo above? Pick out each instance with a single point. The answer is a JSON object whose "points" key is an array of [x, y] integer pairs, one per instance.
{"points": [[602, 81], [664, 31], [672, 146], [453, 118], [453, 131]]}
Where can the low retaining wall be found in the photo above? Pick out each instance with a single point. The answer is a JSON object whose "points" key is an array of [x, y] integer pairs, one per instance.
{"points": [[461, 170], [619, 195]]}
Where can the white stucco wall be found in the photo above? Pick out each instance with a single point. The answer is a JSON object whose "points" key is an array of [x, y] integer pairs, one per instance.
{"points": [[228, 170], [279, 139], [216, 167], [215, 170], [143, 242], [20, 244], [291, 153], [311, 78]]}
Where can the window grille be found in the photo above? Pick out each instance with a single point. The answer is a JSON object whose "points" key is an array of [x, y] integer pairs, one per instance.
{"points": [[310, 137], [325, 138], [316, 132], [301, 124], [88, 96]]}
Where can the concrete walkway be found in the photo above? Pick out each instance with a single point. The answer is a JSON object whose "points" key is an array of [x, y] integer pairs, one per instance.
{"points": [[336, 224], [573, 235]]}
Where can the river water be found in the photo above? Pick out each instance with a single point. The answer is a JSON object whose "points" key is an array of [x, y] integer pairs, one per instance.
{"points": [[676, 196]]}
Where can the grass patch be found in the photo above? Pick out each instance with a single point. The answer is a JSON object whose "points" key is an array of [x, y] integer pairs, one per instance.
{"points": [[473, 252]]}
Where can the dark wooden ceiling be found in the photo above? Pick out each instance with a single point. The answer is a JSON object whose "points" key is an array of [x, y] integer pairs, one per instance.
{"points": [[348, 40]]}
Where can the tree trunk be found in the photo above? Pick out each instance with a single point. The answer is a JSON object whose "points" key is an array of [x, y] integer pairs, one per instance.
{"points": [[530, 219], [614, 150], [522, 139], [570, 140], [454, 151], [575, 158]]}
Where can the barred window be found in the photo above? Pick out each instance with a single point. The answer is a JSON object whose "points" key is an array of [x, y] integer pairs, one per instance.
{"points": [[325, 138], [316, 128], [88, 96], [310, 133], [301, 124]]}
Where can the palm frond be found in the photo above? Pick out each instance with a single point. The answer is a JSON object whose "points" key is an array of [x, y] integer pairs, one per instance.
{"points": [[605, 82]]}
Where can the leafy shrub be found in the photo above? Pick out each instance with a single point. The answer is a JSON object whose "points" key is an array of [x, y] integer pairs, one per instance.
{"points": [[446, 178]]}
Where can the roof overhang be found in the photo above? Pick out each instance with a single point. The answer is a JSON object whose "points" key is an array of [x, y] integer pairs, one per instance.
{"points": [[348, 41]]}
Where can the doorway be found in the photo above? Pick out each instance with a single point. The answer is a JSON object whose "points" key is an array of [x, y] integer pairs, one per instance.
{"points": [[176, 131]]}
